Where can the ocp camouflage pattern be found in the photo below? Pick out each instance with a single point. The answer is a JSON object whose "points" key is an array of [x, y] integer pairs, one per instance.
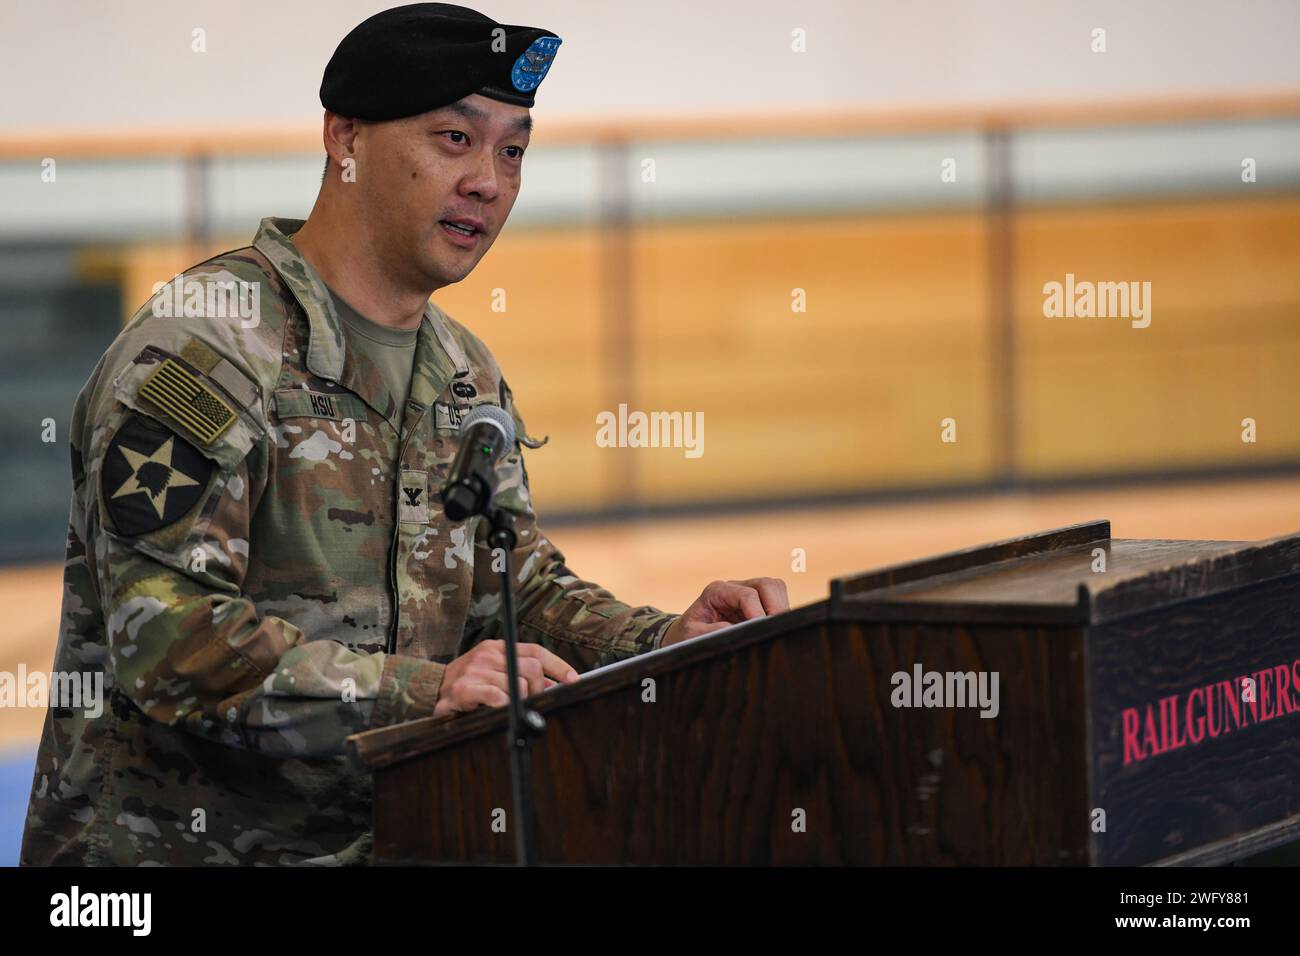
{"points": [[312, 589]]}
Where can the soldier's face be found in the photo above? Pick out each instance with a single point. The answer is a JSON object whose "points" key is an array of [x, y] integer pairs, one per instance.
{"points": [[444, 182]]}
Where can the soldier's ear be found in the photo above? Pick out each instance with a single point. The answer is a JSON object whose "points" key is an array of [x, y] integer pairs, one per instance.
{"points": [[341, 131]]}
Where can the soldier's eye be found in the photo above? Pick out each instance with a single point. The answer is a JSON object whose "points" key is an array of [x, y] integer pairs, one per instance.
{"points": [[456, 132], [518, 152]]}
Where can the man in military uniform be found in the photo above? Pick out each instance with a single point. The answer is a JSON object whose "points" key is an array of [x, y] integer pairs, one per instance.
{"points": [[257, 558]]}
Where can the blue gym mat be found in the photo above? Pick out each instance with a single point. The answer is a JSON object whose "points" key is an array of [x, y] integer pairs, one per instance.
{"points": [[15, 786]]}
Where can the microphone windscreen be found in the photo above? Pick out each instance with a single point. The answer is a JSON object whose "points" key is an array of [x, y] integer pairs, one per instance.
{"points": [[495, 415]]}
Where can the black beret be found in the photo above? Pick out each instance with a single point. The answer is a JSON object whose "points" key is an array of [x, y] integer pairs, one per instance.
{"points": [[423, 56]]}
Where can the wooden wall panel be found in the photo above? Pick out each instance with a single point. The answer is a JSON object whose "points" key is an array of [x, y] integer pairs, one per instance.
{"points": [[846, 396], [1099, 396]]}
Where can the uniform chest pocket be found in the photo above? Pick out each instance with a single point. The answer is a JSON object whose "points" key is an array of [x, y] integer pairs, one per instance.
{"points": [[331, 456]]}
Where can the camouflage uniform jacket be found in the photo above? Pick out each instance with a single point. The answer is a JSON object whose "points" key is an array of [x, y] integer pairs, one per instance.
{"points": [[258, 563]]}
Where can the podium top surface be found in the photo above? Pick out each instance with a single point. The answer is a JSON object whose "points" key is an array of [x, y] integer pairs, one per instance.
{"points": [[1077, 575]]}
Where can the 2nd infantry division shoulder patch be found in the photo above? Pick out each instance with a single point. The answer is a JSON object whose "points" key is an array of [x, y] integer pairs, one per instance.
{"points": [[182, 395], [150, 477]]}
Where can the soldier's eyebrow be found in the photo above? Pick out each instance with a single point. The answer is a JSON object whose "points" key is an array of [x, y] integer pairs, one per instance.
{"points": [[524, 124]]}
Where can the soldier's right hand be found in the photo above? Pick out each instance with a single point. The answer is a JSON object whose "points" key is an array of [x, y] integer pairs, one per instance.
{"points": [[478, 677]]}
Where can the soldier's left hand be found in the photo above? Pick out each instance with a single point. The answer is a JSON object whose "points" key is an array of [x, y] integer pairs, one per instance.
{"points": [[723, 603]]}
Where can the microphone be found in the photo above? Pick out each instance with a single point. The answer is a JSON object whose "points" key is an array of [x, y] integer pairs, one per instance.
{"points": [[486, 433]]}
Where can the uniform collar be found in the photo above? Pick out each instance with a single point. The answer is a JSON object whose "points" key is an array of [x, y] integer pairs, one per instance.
{"points": [[438, 356]]}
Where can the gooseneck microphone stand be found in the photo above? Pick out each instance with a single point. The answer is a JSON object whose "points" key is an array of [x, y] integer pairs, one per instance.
{"points": [[473, 494]]}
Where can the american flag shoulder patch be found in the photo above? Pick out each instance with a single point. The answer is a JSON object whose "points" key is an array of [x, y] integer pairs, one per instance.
{"points": [[193, 405]]}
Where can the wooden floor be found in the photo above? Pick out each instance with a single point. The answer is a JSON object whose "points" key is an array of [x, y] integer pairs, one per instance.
{"points": [[666, 563]]}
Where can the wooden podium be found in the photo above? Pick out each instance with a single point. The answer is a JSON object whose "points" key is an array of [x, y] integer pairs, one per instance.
{"points": [[1147, 709]]}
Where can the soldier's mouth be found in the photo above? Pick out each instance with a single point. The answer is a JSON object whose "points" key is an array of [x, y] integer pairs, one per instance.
{"points": [[462, 235]]}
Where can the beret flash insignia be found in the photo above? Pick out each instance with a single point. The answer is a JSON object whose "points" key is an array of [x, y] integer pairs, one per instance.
{"points": [[530, 69]]}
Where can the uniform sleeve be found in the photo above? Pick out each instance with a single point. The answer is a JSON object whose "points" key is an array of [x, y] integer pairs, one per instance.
{"points": [[574, 618], [170, 517]]}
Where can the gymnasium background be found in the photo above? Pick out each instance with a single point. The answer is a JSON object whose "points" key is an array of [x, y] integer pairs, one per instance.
{"points": [[826, 226]]}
